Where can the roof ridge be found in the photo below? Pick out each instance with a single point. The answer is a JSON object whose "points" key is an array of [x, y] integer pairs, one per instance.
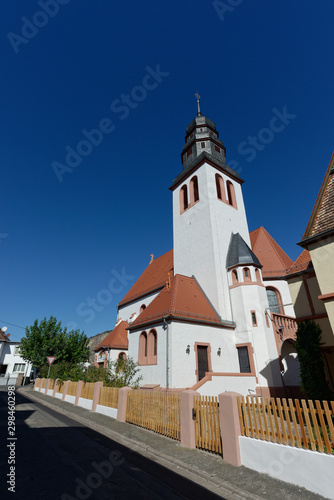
{"points": [[275, 245]]}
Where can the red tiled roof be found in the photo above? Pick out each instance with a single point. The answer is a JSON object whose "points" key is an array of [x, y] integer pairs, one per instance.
{"points": [[274, 260], [302, 263], [117, 338], [322, 216], [3, 336], [184, 299], [153, 278]]}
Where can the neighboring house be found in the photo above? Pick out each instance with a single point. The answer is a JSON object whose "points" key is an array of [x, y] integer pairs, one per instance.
{"points": [[93, 343], [311, 279], [13, 368], [114, 346], [209, 314]]}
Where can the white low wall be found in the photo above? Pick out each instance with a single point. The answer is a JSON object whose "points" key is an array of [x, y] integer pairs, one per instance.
{"points": [[59, 395], [85, 403], [50, 392], [310, 469], [42, 390], [70, 399], [220, 384], [106, 410]]}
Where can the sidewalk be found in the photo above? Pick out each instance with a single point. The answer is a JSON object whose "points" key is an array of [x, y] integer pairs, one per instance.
{"points": [[204, 468]]}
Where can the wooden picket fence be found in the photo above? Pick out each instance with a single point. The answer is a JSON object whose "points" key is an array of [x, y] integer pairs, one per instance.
{"points": [[38, 382], [87, 390], [43, 385], [60, 388], [109, 397], [72, 388], [51, 384], [299, 423], [157, 411], [207, 428]]}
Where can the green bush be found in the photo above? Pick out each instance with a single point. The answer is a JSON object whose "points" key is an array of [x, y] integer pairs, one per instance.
{"points": [[311, 359]]}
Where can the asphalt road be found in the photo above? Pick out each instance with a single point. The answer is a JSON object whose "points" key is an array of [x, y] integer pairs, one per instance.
{"points": [[58, 458]]}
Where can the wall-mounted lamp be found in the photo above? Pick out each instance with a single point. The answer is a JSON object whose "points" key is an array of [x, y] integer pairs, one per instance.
{"points": [[219, 351], [188, 349]]}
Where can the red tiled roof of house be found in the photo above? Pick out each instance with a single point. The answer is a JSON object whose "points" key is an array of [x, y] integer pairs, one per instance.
{"points": [[302, 263], [183, 300], [322, 216], [3, 336], [153, 278], [274, 260], [117, 338]]}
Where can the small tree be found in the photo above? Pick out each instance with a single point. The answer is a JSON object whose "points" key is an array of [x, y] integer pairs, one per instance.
{"points": [[311, 359], [49, 339], [124, 372]]}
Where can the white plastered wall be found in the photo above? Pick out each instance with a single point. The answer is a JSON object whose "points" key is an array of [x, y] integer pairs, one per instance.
{"points": [[202, 236]]}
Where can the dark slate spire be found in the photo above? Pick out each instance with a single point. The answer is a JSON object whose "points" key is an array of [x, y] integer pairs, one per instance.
{"points": [[239, 253], [201, 137]]}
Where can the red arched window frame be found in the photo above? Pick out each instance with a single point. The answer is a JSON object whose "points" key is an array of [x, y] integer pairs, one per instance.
{"points": [[235, 278], [183, 198], [258, 275], [220, 187], [152, 347], [142, 354], [231, 200], [194, 192], [276, 307], [247, 274], [142, 307]]}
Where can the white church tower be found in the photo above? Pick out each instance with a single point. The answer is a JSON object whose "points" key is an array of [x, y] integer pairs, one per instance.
{"points": [[208, 207]]}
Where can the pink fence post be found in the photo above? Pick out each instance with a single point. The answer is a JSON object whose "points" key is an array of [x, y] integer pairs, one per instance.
{"points": [[230, 426], [40, 385], [187, 423], [96, 395], [65, 389], [78, 393], [55, 389], [35, 385], [122, 399]]}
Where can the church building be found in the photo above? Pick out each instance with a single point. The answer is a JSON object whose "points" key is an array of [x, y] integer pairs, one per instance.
{"points": [[205, 315]]}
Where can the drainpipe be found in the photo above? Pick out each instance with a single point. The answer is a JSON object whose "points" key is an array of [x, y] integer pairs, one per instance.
{"points": [[167, 353]]}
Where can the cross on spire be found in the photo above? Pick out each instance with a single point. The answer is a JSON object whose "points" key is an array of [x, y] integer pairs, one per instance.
{"points": [[198, 107]]}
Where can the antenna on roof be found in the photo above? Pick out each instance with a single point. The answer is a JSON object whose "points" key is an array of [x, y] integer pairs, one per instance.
{"points": [[152, 258]]}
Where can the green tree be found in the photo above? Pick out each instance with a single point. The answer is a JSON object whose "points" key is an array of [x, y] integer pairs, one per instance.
{"points": [[48, 338], [311, 359], [124, 372]]}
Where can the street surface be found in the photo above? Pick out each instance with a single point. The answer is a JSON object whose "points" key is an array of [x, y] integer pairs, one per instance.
{"points": [[55, 457]]}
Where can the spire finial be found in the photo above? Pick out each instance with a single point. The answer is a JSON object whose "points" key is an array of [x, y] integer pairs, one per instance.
{"points": [[198, 107]]}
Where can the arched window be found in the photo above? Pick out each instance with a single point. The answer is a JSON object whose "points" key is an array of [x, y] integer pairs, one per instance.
{"points": [[247, 274], [231, 194], [122, 356], [235, 278], [183, 198], [275, 300], [258, 275], [194, 193], [142, 307], [152, 345], [142, 355], [220, 187]]}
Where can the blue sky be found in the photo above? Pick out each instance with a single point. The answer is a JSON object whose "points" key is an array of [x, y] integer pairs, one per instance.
{"points": [[67, 65]]}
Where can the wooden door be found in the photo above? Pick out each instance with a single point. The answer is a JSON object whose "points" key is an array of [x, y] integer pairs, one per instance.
{"points": [[202, 361]]}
